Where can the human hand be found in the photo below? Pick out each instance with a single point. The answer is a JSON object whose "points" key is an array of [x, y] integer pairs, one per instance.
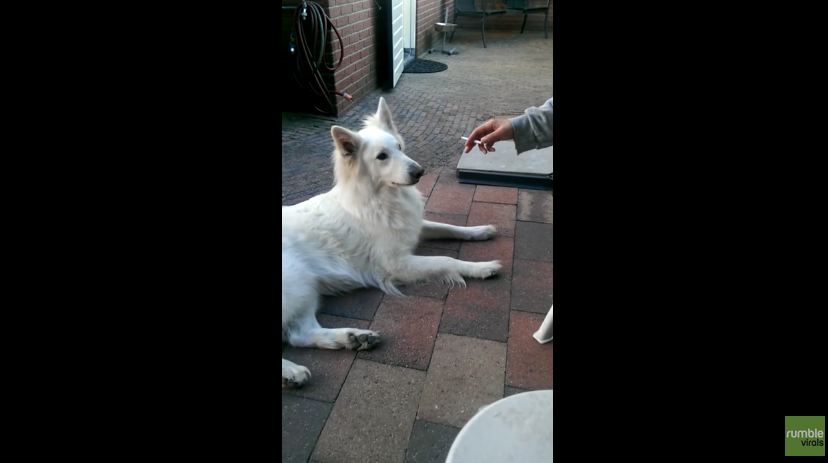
{"points": [[488, 133]]}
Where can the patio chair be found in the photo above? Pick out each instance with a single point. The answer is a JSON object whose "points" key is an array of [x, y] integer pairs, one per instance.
{"points": [[468, 8], [531, 6]]}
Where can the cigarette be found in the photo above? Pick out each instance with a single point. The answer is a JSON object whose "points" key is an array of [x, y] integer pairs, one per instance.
{"points": [[467, 139]]}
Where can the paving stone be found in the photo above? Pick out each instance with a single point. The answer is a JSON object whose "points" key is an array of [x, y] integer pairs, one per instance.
{"points": [[532, 286], [409, 327], [450, 198], [430, 442], [529, 363], [302, 421], [509, 390], [373, 417], [535, 206], [465, 374], [360, 303], [496, 194], [501, 216], [480, 310], [533, 241]]}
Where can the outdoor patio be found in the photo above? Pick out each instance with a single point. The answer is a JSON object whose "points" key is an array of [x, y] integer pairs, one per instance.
{"points": [[445, 352]]}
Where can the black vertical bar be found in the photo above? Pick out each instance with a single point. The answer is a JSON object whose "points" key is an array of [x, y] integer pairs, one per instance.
{"points": [[385, 49]]}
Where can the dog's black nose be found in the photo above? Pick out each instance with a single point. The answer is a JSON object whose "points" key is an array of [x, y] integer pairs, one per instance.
{"points": [[416, 172]]}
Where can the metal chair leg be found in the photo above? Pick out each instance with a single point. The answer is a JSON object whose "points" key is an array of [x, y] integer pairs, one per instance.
{"points": [[524, 23], [452, 35], [483, 30]]}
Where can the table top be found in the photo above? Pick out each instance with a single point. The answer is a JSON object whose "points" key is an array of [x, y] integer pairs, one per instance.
{"points": [[506, 160], [516, 429]]}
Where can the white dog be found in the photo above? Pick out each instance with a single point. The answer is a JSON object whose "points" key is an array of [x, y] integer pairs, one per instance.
{"points": [[361, 233]]}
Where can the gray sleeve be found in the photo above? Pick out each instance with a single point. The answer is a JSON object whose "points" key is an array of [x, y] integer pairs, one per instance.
{"points": [[533, 129]]}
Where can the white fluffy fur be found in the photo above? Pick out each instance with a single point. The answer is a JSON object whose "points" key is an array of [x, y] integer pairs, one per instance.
{"points": [[361, 234]]}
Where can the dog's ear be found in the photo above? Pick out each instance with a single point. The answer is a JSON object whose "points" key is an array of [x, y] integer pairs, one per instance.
{"points": [[347, 142], [384, 116]]}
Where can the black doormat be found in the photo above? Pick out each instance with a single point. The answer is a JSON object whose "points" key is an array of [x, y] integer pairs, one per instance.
{"points": [[421, 66]]}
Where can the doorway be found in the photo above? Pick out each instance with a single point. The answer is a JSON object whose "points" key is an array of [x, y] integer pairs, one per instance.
{"points": [[409, 31]]}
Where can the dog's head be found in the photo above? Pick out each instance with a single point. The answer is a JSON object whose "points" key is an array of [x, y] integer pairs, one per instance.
{"points": [[374, 154]]}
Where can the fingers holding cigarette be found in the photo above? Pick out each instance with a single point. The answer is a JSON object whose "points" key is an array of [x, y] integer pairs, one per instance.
{"points": [[489, 133], [482, 146]]}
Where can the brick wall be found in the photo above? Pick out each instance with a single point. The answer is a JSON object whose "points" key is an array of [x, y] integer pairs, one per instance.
{"points": [[356, 21]]}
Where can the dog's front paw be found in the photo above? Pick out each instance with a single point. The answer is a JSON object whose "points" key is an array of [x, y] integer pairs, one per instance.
{"points": [[487, 269], [483, 232], [295, 376], [363, 339]]}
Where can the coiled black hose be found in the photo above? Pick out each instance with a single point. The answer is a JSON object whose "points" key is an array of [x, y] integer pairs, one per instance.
{"points": [[311, 25]]}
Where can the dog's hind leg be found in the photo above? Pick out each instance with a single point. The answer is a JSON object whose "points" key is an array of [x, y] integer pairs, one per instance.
{"points": [[423, 268], [436, 231], [294, 375], [308, 333]]}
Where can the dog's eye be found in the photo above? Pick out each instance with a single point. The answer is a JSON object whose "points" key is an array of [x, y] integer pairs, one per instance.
{"points": [[382, 156]]}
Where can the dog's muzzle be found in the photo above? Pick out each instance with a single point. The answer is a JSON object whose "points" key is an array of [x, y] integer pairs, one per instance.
{"points": [[415, 172]]}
